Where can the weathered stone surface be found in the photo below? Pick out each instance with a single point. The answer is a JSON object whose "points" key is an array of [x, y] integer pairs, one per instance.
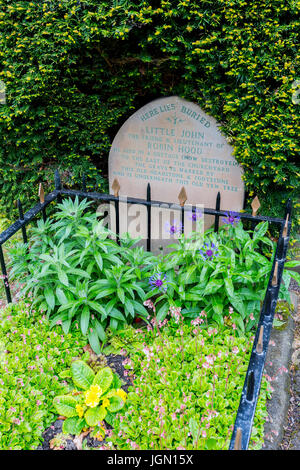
{"points": [[171, 143]]}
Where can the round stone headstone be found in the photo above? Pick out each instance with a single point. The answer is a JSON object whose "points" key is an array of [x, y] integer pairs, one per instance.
{"points": [[171, 143]]}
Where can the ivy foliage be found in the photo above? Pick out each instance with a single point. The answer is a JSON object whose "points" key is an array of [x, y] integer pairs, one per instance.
{"points": [[75, 70]]}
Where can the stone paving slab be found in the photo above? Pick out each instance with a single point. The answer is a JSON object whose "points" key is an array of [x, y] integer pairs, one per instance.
{"points": [[277, 367]]}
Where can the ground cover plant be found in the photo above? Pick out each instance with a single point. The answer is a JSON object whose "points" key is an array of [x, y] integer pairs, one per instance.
{"points": [[76, 272], [31, 359], [207, 365]]}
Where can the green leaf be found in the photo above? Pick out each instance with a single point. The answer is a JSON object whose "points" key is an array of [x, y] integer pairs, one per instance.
{"points": [[204, 274], [66, 324], [260, 230], [110, 305], [292, 264], [61, 296], [213, 286], [65, 374], [50, 298], [249, 261], [241, 234], [99, 260], [80, 273], [129, 306], [194, 297], [120, 294], [96, 306], [295, 276], [68, 305], [139, 308], [194, 429], [65, 405], [57, 318], [162, 312], [82, 374], [95, 415], [104, 378], [217, 304], [100, 330], [117, 315], [115, 404], [94, 341], [73, 425], [63, 277], [210, 443], [85, 319], [229, 286], [237, 319], [114, 324], [238, 304], [105, 292], [110, 419]]}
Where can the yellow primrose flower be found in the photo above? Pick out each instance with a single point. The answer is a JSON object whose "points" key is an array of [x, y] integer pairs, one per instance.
{"points": [[121, 394], [105, 403], [99, 436], [92, 396], [79, 410]]}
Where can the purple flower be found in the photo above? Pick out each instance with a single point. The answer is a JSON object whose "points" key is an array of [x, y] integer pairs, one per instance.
{"points": [[232, 218], [195, 215], [159, 281], [173, 228], [209, 251]]}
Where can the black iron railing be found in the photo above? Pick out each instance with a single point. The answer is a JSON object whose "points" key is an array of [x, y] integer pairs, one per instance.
{"points": [[245, 414]]}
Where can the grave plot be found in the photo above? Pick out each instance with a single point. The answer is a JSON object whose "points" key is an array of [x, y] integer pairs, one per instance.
{"points": [[171, 143], [181, 321]]}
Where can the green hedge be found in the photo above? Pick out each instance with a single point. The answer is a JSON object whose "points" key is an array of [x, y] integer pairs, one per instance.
{"points": [[75, 70]]}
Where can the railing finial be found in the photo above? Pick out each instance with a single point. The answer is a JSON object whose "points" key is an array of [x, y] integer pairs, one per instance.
{"points": [[259, 346], [182, 196], [255, 204], [285, 228], [41, 194], [238, 440], [275, 275]]}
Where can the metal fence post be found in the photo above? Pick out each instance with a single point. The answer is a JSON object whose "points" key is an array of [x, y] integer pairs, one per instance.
{"points": [[5, 277], [218, 202], [182, 197], [116, 188], [21, 215], [57, 183]]}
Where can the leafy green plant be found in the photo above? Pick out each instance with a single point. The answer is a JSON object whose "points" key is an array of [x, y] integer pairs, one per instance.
{"points": [[215, 272], [76, 272], [208, 367], [31, 360], [95, 398]]}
